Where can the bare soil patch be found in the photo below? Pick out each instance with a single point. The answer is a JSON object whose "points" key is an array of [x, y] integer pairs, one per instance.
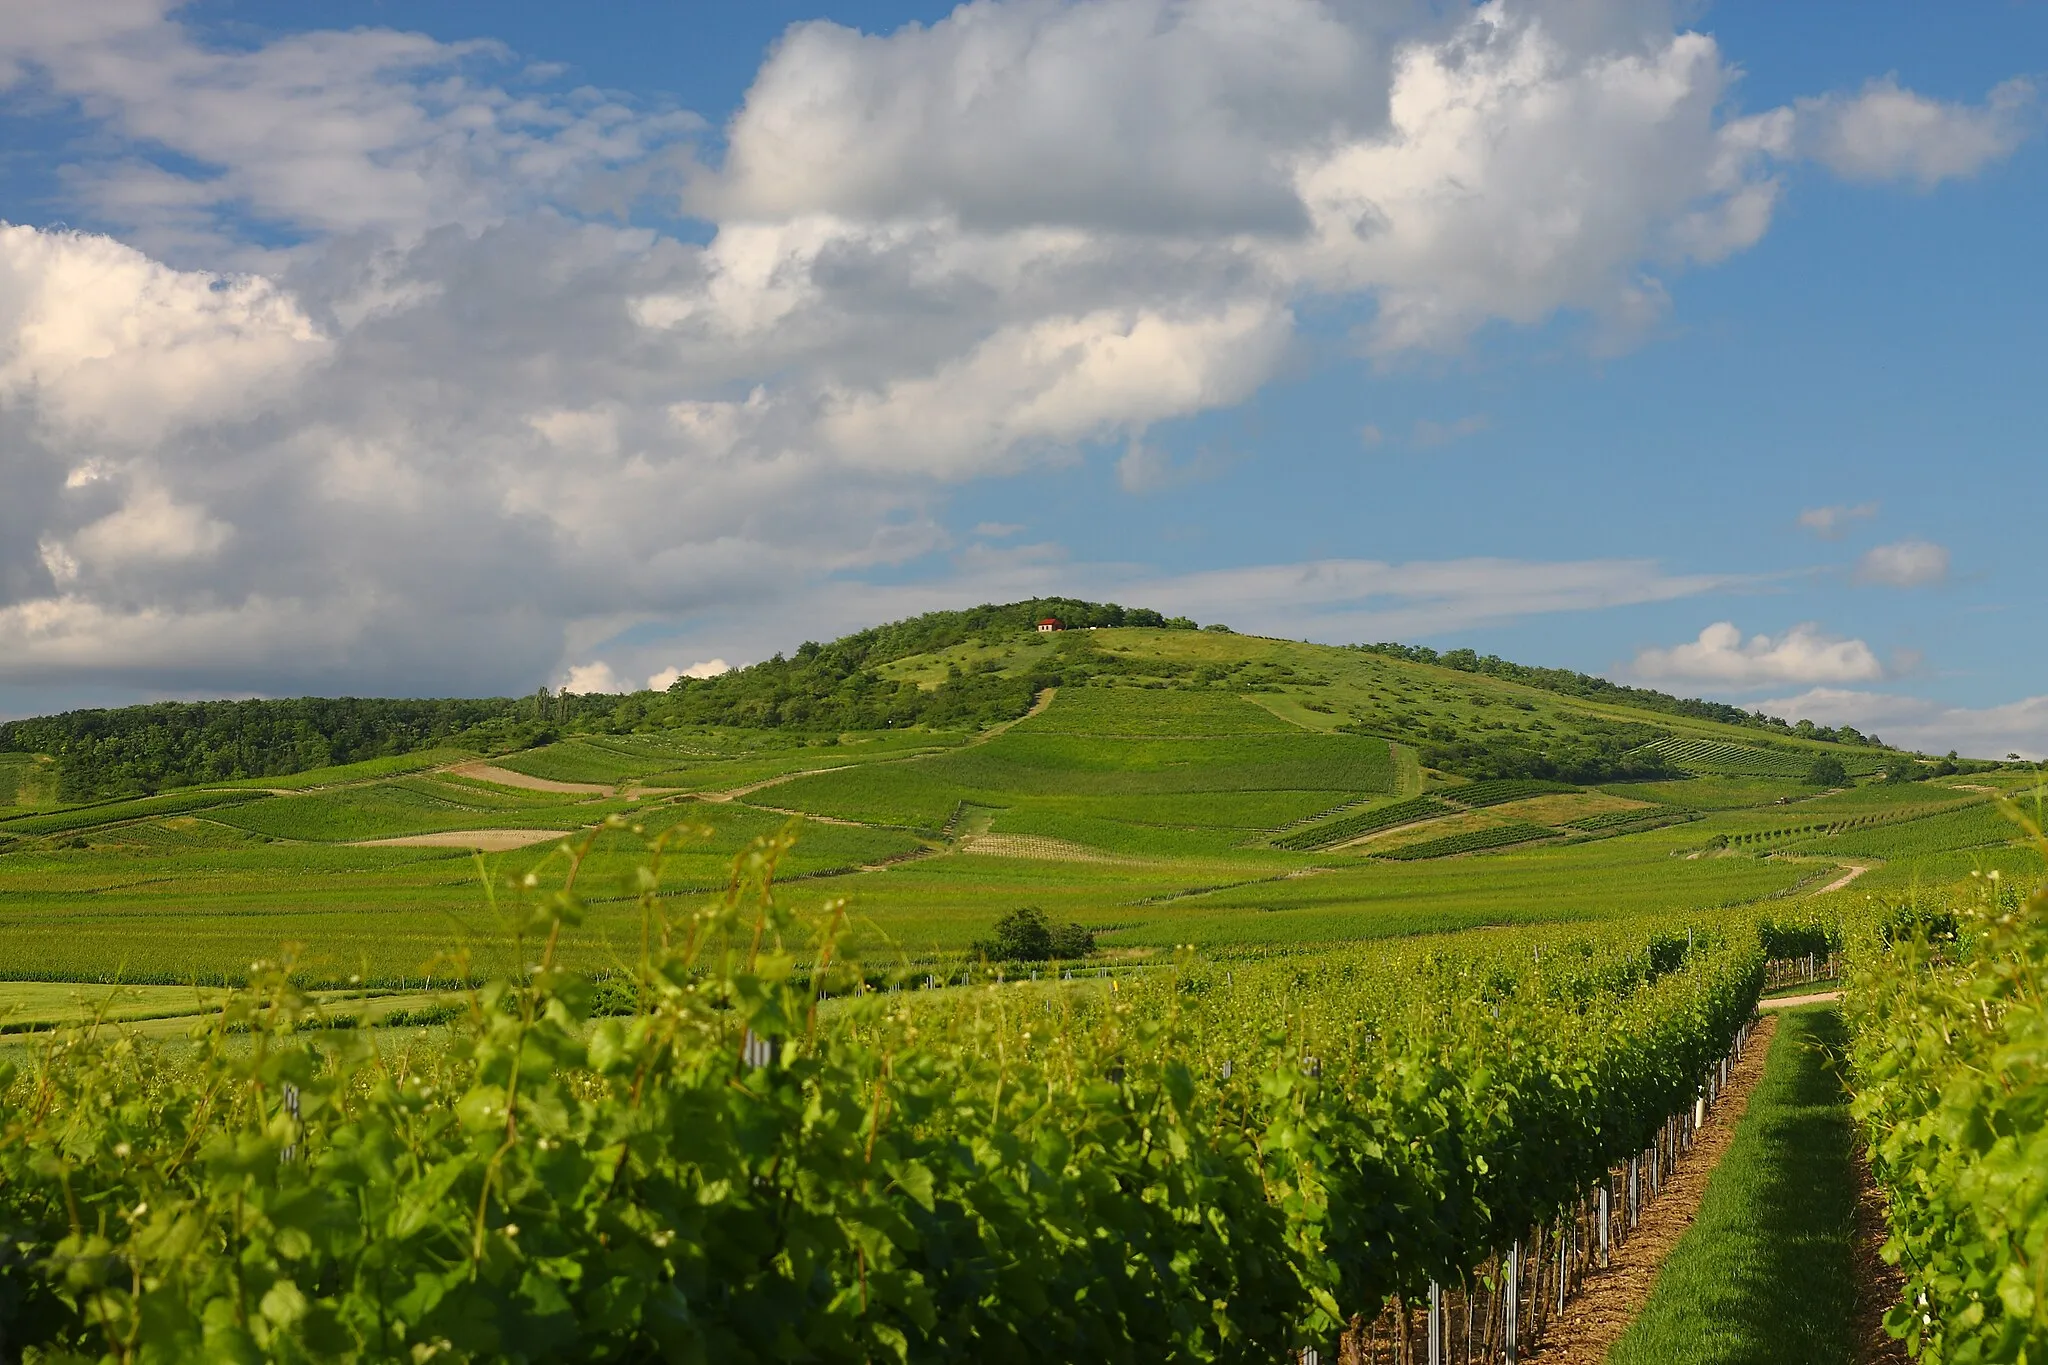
{"points": [[1037, 846], [489, 840], [1611, 1298], [505, 777], [1557, 808]]}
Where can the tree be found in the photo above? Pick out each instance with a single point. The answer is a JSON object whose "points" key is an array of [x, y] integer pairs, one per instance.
{"points": [[1026, 935], [1072, 941], [1903, 769], [1827, 771]]}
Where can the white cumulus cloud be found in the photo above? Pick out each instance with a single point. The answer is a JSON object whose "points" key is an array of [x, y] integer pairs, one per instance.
{"points": [[594, 677], [1929, 726], [667, 677], [364, 394], [113, 350], [1721, 656], [1903, 564], [1886, 132]]}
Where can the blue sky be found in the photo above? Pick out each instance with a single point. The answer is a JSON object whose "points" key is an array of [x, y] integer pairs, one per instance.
{"points": [[396, 347]]}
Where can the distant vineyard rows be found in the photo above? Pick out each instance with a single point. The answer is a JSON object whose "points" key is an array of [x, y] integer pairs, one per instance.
{"points": [[1470, 841], [1366, 822], [1741, 760], [1500, 791]]}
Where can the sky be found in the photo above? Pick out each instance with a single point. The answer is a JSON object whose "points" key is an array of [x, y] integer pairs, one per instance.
{"points": [[428, 347]]}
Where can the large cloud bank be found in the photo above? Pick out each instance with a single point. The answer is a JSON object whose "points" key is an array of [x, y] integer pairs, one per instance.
{"points": [[362, 390]]}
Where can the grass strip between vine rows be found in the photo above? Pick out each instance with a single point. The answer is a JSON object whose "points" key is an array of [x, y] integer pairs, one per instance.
{"points": [[1765, 1273]]}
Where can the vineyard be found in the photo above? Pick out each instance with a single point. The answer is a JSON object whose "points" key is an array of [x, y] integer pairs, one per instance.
{"points": [[1894, 832], [1500, 791], [1638, 818], [1212, 1161], [1948, 1004], [1743, 760], [1470, 841], [1365, 822], [174, 803], [1310, 1087]]}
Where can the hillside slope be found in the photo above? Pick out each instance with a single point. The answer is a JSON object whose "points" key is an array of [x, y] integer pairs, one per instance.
{"points": [[958, 670]]}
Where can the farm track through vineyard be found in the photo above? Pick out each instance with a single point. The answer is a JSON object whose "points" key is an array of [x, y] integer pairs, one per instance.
{"points": [[1611, 1298]]}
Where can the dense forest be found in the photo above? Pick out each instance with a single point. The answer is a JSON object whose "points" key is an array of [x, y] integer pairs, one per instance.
{"points": [[136, 749]]}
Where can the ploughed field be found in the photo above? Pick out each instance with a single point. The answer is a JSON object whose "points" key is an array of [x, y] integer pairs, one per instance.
{"points": [[1228, 813]]}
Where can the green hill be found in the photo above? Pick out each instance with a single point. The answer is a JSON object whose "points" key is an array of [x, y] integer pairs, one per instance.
{"points": [[1157, 783]]}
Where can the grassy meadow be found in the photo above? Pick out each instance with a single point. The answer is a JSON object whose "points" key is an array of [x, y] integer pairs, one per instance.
{"points": [[1254, 793]]}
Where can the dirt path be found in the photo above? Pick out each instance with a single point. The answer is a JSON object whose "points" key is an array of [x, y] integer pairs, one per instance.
{"points": [[1786, 1002], [1878, 1286], [1855, 870], [1595, 1320], [1037, 708], [813, 819], [505, 777], [735, 793]]}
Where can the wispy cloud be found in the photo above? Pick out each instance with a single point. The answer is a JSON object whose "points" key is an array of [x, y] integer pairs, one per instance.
{"points": [[1903, 564], [1429, 433], [1830, 522], [1329, 600], [1721, 656]]}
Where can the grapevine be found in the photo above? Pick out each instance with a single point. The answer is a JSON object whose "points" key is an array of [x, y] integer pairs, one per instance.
{"points": [[1217, 1161]]}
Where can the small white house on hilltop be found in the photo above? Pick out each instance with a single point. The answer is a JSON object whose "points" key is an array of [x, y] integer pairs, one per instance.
{"points": [[1050, 624]]}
